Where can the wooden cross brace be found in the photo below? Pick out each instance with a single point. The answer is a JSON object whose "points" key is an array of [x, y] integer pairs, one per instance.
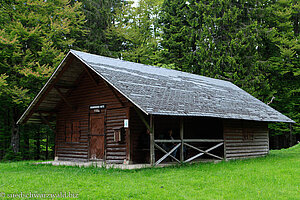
{"points": [[166, 153], [203, 152]]}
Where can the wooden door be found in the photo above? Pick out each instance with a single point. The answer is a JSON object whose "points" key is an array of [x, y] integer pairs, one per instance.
{"points": [[97, 136]]}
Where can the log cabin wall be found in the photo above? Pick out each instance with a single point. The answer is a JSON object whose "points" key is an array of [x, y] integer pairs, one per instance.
{"points": [[245, 139], [116, 152], [86, 93]]}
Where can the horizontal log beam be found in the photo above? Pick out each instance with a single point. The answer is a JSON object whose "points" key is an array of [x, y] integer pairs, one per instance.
{"points": [[190, 140], [167, 141], [64, 86], [47, 112], [203, 140]]}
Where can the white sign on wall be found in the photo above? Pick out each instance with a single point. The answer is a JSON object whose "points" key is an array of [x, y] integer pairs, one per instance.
{"points": [[126, 124]]}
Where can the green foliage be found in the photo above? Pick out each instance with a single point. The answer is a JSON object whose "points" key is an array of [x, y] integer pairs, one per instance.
{"points": [[137, 31], [276, 176], [34, 37], [99, 16], [3, 83], [253, 44], [179, 29], [10, 155], [283, 61]]}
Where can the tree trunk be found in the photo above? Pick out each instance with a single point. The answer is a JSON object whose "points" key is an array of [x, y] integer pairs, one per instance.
{"points": [[47, 144], [26, 145], [15, 134], [37, 143]]}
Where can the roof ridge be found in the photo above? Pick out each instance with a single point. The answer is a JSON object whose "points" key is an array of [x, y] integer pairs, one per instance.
{"points": [[162, 68]]}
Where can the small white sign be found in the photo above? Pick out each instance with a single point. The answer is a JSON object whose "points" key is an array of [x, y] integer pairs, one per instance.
{"points": [[126, 124], [102, 106]]}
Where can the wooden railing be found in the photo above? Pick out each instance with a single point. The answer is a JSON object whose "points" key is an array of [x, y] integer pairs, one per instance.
{"points": [[178, 143]]}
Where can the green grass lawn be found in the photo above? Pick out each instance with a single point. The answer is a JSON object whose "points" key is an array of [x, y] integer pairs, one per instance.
{"points": [[276, 176]]}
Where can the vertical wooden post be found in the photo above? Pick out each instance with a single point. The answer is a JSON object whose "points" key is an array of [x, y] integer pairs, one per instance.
{"points": [[152, 151], [181, 138], [291, 136], [56, 139], [128, 138], [224, 141]]}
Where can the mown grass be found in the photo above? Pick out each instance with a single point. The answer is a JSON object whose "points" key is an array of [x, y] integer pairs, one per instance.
{"points": [[276, 176]]}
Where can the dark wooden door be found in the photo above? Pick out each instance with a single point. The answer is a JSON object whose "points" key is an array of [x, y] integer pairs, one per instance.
{"points": [[97, 136]]}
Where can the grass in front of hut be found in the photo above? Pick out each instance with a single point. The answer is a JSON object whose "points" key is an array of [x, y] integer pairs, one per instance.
{"points": [[276, 176]]}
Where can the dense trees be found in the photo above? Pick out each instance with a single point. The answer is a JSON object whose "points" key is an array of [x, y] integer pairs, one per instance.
{"points": [[283, 60], [254, 44], [35, 35], [136, 30], [99, 15]]}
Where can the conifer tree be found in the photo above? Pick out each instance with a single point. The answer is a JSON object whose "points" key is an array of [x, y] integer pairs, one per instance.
{"points": [[34, 37]]}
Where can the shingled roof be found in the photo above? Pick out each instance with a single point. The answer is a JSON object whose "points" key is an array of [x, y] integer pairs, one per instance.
{"points": [[161, 91]]}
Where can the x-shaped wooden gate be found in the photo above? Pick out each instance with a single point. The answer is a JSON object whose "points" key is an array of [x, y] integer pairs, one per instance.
{"points": [[178, 143]]}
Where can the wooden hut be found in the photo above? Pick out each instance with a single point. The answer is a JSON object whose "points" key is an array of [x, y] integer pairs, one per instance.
{"points": [[115, 111]]}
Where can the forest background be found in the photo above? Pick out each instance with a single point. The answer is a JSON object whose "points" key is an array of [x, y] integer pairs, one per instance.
{"points": [[253, 44]]}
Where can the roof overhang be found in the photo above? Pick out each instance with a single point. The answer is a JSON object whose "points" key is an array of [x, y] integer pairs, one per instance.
{"points": [[38, 116], [38, 97], [47, 99]]}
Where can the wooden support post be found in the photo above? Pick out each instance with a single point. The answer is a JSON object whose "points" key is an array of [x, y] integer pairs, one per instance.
{"points": [[181, 138], [224, 146], [46, 122], [47, 142], [291, 142], [152, 150], [140, 114], [224, 149], [64, 98]]}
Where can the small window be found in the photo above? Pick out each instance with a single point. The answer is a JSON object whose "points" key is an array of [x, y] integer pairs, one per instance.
{"points": [[68, 132], [72, 131], [119, 135], [75, 132], [247, 133]]}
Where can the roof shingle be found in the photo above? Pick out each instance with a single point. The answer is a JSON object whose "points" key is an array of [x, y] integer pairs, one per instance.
{"points": [[161, 91]]}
